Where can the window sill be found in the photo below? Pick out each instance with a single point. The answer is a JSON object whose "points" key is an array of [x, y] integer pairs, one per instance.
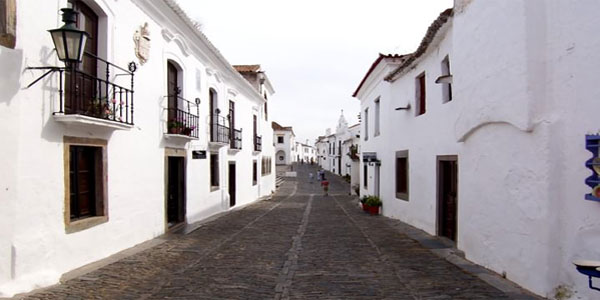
{"points": [[214, 188], [83, 224], [402, 197]]}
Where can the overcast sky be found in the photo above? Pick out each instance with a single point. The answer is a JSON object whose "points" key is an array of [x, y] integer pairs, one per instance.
{"points": [[315, 52]]}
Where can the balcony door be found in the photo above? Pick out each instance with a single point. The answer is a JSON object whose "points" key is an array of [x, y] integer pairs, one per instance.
{"points": [[172, 90], [82, 86], [231, 117]]}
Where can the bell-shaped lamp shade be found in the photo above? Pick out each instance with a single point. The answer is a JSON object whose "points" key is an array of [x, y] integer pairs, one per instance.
{"points": [[68, 40]]}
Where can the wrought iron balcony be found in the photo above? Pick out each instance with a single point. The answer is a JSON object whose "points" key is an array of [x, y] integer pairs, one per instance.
{"points": [[219, 131], [182, 118], [257, 143], [87, 94], [236, 139]]}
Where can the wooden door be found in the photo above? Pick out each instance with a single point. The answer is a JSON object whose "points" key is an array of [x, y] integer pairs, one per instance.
{"points": [[231, 118], [82, 174], [82, 87], [172, 90], [232, 187], [175, 190], [447, 197]]}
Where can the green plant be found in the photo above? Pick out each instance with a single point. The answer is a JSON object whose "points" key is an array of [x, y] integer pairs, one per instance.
{"points": [[363, 199], [373, 201], [175, 124]]}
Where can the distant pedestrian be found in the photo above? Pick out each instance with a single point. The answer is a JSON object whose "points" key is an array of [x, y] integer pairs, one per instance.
{"points": [[310, 177], [325, 185]]}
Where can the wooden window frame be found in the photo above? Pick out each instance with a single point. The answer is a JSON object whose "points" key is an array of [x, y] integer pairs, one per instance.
{"points": [[366, 118], [446, 87], [8, 23], [377, 121], [420, 94], [402, 155], [101, 189], [214, 172]]}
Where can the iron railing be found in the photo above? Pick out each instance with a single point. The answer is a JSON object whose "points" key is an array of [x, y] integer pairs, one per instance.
{"points": [[89, 95], [219, 131], [181, 117], [236, 139], [257, 143]]}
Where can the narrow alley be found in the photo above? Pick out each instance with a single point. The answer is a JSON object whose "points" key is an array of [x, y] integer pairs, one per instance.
{"points": [[298, 245]]}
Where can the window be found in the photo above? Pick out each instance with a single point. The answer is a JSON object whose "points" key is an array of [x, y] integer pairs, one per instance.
{"points": [[420, 93], [366, 118], [85, 200], [446, 87], [279, 139], [365, 179], [376, 117], [266, 111], [254, 172], [402, 175], [266, 165], [214, 171], [8, 22]]}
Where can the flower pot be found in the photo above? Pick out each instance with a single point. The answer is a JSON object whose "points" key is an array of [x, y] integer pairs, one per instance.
{"points": [[365, 207], [175, 130], [374, 210]]}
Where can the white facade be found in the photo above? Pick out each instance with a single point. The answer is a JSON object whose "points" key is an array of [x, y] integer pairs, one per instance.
{"points": [[305, 153], [39, 241], [334, 150], [284, 140], [523, 99]]}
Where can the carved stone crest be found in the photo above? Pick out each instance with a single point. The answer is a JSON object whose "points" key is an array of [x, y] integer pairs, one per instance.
{"points": [[141, 38]]}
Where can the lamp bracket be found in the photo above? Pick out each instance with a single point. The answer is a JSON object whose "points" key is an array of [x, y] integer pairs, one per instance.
{"points": [[49, 71]]}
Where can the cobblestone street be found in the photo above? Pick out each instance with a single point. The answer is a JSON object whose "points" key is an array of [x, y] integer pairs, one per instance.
{"points": [[297, 245]]}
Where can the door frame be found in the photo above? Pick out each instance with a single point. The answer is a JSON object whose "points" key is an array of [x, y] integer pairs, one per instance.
{"points": [[173, 152], [232, 163], [439, 200]]}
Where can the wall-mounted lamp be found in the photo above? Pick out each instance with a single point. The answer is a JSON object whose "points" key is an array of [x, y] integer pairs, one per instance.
{"points": [[407, 107], [68, 40]]}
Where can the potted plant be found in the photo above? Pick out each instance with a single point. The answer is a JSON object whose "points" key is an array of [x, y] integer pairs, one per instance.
{"points": [[175, 127], [363, 202], [374, 203], [188, 130]]}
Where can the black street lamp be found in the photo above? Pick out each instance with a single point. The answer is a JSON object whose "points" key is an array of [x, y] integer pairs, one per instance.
{"points": [[68, 40]]}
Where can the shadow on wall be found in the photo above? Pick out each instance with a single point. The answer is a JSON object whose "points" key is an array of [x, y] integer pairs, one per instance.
{"points": [[12, 66]]}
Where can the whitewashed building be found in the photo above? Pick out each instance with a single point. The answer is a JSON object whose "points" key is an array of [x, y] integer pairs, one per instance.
{"points": [[305, 153], [338, 152], [101, 157], [284, 140], [480, 136]]}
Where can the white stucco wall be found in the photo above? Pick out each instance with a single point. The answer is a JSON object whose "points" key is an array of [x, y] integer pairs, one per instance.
{"points": [[34, 247], [287, 147], [546, 104], [523, 99]]}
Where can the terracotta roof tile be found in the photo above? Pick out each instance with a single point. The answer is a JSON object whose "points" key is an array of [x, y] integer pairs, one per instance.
{"points": [[429, 36], [381, 57], [247, 68]]}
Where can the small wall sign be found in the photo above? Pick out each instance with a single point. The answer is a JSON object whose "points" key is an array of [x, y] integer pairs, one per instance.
{"points": [[199, 154]]}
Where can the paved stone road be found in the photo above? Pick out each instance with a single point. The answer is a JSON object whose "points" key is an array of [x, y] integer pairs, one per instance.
{"points": [[298, 245]]}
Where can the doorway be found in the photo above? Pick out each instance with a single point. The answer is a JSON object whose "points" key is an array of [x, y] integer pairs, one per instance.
{"points": [[447, 196], [376, 180], [175, 190], [232, 192]]}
